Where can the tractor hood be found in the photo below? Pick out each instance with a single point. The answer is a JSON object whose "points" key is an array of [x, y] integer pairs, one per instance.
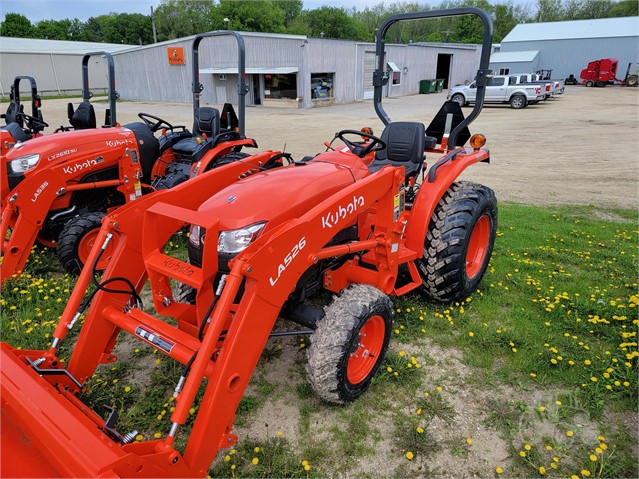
{"points": [[72, 146], [280, 194]]}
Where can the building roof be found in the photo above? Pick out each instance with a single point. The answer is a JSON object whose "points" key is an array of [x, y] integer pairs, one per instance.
{"points": [[513, 57], [598, 28], [35, 45]]}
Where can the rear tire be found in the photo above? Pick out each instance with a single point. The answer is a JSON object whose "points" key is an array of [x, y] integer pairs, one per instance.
{"points": [[77, 239], [589, 83], [349, 344], [517, 102], [458, 98], [459, 242], [633, 80]]}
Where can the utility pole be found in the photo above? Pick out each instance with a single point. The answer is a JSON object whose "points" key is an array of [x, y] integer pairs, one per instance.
{"points": [[155, 35]]}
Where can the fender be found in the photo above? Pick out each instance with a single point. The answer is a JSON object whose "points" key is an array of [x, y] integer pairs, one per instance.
{"points": [[221, 150], [431, 192]]}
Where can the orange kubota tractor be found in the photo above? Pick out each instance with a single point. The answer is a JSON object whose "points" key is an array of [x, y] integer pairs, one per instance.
{"points": [[20, 126], [56, 189], [263, 239]]}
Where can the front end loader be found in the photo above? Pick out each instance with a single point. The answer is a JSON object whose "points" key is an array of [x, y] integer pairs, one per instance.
{"points": [[57, 189], [264, 239]]}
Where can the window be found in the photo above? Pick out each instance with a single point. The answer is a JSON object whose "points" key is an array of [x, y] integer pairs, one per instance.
{"points": [[492, 81], [280, 86], [504, 71], [395, 74], [321, 86]]}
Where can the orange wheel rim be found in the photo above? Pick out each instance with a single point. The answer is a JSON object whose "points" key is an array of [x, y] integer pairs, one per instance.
{"points": [[86, 245], [478, 246], [366, 349]]}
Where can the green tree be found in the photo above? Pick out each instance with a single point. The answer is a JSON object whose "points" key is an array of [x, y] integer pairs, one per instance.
{"points": [[329, 22], [625, 8], [181, 18], [129, 28], [550, 11], [253, 16], [52, 29], [16, 25], [291, 8]]}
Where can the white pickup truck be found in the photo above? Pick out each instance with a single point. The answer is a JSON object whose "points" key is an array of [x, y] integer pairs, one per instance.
{"points": [[499, 89]]}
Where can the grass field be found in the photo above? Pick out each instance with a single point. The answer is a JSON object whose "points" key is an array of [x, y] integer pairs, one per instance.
{"points": [[535, 375]]}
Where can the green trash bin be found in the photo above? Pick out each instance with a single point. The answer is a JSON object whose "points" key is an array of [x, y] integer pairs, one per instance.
{"points": [[439, 87], [426, 86]]}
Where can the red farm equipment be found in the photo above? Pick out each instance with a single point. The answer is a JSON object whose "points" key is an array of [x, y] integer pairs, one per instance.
{"points": [[604, 72], [264, 238], [56, 189]]}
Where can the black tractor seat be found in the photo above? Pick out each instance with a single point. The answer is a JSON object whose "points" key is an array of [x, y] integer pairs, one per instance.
{"points": [[206, 123], [17, 133], [405, 143], [83, 118]]}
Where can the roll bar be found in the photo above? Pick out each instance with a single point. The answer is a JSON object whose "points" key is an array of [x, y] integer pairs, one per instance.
{"points": [[242, 87], [112, 93], [34, 93], [380, 76]]}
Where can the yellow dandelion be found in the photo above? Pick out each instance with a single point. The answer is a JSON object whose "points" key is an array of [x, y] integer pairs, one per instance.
{"points": [[593, 458], [522, 454], [255, 460], [307, 467], [402, 354], [527, 447], [603, 446], [157, 435], [127, 389], [420, 430], [409, 456], [541, 409], [469, 441], [471, 334], [569, 433], [542, 470], [256, 450], [499, 470], [227, 458]]}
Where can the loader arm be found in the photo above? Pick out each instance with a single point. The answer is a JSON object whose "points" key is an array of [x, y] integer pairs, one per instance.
{"points": [[235, 335], [49, 189]]}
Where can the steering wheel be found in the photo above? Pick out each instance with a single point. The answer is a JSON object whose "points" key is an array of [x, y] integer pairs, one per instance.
{"points": [[154, 125], [33, 123], [358, 148]]}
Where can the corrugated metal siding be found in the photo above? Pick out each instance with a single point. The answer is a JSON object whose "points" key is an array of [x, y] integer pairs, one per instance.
{"points": [[54, 73], [571, 56]]}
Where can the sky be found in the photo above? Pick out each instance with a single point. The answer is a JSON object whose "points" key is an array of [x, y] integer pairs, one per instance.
{"points": [[36, 10]]}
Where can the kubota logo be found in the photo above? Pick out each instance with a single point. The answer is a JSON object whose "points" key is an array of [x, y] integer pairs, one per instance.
{"points": [[333, 217], [79, 166], [179, 267], [288, 259], [39, 191], [114, 143]]}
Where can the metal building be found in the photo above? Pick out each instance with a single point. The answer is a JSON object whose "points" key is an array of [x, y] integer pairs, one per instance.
{"points": [[286, 70], [567, 47], [55, 64]]}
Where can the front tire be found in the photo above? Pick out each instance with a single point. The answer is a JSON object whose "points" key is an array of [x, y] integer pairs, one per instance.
{"points": [[517, 102], [459, 242], [77, 239], [349, 344]]}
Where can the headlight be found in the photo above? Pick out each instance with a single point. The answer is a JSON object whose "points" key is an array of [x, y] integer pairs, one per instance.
{"points": [[25, 163], [194, 235], [235, 241]]}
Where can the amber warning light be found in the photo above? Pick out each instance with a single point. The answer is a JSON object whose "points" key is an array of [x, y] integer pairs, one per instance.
{"points": [[477, 141]]}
